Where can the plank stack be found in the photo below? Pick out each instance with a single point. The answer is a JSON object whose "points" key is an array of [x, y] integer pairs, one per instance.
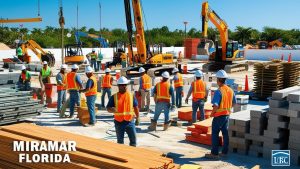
{"points": [[291, 74], [16, 105], [90, 152], [185, 113]]}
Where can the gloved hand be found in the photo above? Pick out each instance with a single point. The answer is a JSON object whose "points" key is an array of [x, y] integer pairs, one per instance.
{"points": [[186, 101], [137, 121]]}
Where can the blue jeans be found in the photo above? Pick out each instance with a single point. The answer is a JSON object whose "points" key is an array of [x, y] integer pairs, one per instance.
{"points": [[94, 64], [24, 86], [178, 96], [61, 98], [104, 91], [74, 99], [220, 124], [129, 128], [91, 107], [195, 105], [159, 107]]}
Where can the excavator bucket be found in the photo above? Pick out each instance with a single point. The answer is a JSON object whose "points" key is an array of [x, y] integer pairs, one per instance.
{"points": [[49, 57]]}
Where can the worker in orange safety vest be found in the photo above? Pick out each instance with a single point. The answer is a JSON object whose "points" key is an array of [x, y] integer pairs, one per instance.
{"points": [[144, 90], [178, 85], [106, 84], [61, 80]]}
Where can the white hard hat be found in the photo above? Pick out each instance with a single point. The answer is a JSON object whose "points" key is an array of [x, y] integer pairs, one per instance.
{"points": [[88, 69], [93, 50], [175, 70], [221, 74], [123, 80], [165, 75], [107, 70], [23, 67], [199, 73], [141, 70], [75, 66], [45, 63], [63, 66]]}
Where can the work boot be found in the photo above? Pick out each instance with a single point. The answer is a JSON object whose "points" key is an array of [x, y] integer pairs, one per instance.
{"points": [[167, 125], [152, 126]]}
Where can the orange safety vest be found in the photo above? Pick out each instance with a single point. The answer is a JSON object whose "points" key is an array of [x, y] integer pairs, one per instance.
{"points": [[179, 81], [71, 81], [124, 106], [198, 90], [146, 79], [62, 87], [226, 101], [93, 90], [162, 92], [106, 81]]}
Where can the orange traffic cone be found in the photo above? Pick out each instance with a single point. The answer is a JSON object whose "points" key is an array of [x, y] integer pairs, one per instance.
{"points": [[34, 96], [246, 84], [282, 57], [290, 58]]}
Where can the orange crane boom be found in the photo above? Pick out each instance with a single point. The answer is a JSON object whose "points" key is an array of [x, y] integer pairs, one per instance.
{"points": [[39, 19]]}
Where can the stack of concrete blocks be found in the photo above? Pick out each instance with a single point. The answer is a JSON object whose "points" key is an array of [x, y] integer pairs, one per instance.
{"points": [[258, 123], [239, 123], [9, 77], [294, 126], [242, 102]]}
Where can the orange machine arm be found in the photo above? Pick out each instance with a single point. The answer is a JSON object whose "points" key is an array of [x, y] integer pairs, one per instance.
{"points": [[140, 36], [36, 48], [20, 20], [208, 14]]}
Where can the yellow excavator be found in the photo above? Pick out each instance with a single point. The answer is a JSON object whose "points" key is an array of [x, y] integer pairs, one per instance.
{"points": [[228, 57], [143, 57], [38, 51]]}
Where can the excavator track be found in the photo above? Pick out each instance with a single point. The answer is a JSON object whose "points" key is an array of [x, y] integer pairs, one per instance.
{"points": [[229, 68], [49, 57]]}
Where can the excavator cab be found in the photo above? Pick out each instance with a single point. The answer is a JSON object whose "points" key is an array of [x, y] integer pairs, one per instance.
{"points": [[73, 54]]}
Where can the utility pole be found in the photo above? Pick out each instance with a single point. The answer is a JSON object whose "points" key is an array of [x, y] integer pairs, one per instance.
{"points": [[62, 26], [185, 23]]}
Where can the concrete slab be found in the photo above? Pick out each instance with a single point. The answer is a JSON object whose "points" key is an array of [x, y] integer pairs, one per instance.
{"points": [[294, 97], [279, 111], [278, 103], [258, 113], [281, 94]]}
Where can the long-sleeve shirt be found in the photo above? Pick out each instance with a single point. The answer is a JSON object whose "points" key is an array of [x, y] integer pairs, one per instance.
{"points": [[171, 92]]}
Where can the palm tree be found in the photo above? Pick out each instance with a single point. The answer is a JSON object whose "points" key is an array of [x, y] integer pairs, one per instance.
{"points": [[243, 34]]}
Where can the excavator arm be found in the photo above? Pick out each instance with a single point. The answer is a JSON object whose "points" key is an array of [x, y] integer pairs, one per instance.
{"points": [[102, 41], [208, 14]]}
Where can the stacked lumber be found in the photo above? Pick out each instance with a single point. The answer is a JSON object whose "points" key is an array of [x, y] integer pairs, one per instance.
{"points": [[83, 115], [201, 132], [16, 105], [291, 74], [185, 113], [239, 123], [268, 77], [90, 152]]}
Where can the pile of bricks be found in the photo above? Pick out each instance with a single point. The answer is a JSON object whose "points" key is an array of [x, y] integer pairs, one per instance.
{"points": [[90, 152], [15, 106], [201, 132]]}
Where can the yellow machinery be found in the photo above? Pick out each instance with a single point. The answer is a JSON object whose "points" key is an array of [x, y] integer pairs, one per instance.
{"points": [[269, 45], [73, 54], [229, 56], [38, 51], [143, 57]]}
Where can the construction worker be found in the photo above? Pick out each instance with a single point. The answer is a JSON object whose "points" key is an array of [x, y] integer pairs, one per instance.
{"points": [[99, 60], [24, 80], [20, 53], [144, 90], [90, 94], [61, 87], [74, 84], [178, 85], [44, 78], [123, 59], [222, 101], [162, 93], [125, 107], [93, 56], [106, 86], [199, 90]]}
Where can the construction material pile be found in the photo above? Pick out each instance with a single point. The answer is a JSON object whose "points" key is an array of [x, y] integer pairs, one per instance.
{"points": [[15, 106], [90, 152], [258, 132], [269, 77]]}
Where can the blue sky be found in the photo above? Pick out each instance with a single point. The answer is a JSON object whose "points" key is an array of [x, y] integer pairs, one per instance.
{"points": [[283, 14]]}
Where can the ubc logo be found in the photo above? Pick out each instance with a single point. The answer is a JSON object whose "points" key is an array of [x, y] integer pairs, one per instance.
{"points": [[280, 157]]}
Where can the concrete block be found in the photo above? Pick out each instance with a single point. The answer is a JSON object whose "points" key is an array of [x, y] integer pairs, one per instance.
{"points": [[239, 107], [256, 132], [244, 123], [279, 146], [239, 129], [255, 138], [278, 103], [281, 94], [256, 148], [275, 118], [294, 139], [269, 134], [254, 153], [242, 99], [279, 111], [294, 133], [294, 97], [258, 113], [258, 143], [293, 126], [273, 126], [294, 145], [294, 106], [295, 120], [295, 157], [294, 113]]}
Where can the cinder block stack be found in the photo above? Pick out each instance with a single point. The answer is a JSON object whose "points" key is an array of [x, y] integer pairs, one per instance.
{"points": [[268, 77], [258, 123], [291, 74], [294, 126], [239, 124]]}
